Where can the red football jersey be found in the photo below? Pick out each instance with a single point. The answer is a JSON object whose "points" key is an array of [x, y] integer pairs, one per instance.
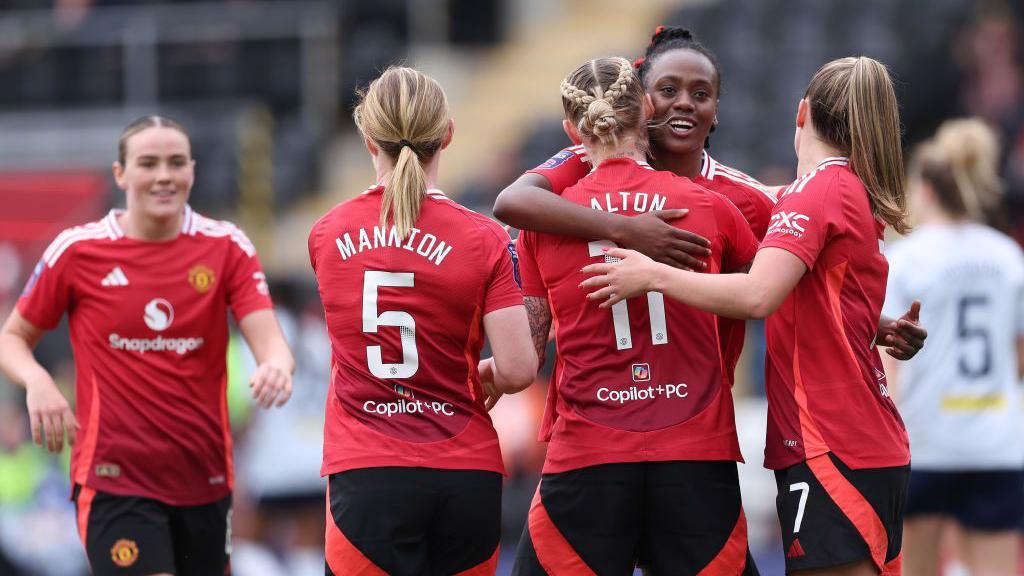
{"points": [[149, 331], [754, 201], [826, 387], [405, 322], [642, 381]]}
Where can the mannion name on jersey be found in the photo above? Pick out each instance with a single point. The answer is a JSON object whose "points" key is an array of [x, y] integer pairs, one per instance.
{"points": [[423, 243]]}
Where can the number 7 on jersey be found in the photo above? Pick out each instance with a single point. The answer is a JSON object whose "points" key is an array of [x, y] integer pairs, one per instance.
{"points": [[620, 312]]}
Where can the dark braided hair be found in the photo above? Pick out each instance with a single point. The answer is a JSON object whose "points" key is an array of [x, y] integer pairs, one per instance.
{"points": [[668, 38]]}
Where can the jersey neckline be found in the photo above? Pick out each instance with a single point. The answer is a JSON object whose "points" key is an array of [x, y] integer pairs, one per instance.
{"points": [[188, 226]]}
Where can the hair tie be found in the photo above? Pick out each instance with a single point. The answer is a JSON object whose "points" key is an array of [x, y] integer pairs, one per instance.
{"points": [[639, 62], [403, 143]]}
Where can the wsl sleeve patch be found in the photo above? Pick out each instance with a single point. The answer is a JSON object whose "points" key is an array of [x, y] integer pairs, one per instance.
{"points": [[515, 264], [38, 271], [556, 160]]}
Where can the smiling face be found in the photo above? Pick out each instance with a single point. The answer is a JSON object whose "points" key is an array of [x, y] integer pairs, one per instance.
{"points": [[157, 172], [683, 85]]}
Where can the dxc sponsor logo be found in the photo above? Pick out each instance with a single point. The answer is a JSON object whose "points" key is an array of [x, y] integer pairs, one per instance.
{"points": [[788, 223]]}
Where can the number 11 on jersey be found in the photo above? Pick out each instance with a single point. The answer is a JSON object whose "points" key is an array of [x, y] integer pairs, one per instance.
{"points": [[620, 312]]}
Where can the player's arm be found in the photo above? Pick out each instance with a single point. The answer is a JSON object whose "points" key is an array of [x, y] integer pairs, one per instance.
{"points": [[529, 204], [755, 294], [271, 383], [539, 313], [513, 364], [49, 413]]}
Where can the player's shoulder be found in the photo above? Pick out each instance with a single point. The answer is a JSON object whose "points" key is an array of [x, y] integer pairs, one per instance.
{"points": [[1000, 245], [477, 224], [728, 179], [68, 240], [218, 231], [344, 209], [829, 176], [570, 154], [909, 248], [673, 182]]}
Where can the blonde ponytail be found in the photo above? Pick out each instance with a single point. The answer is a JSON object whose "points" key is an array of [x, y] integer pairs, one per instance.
{"points": [[972, 148], [961, 163], [404, 191], [405, 113], [853, 107]]}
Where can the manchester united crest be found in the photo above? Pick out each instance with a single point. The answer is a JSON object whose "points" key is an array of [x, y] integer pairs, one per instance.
{"points": [[201, 278], [124, 552]]}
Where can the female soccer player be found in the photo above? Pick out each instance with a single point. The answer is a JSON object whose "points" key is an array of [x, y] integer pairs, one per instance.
{"points": [[413, 460], [960, 396], [835, 439], [642, 459], [147, 292], [682, 77]]}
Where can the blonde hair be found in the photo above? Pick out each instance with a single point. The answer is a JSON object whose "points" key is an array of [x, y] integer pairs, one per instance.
{"points": [[405, 113], [853, 107], [961, 163], [604, 99], [140, 124]]}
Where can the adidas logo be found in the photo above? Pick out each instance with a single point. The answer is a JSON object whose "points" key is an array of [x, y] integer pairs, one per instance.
{"points": [[115, 278], [795, 549]]}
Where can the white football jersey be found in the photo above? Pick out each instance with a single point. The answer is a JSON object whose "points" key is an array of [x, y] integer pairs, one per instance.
{"points": [[960, 395]]}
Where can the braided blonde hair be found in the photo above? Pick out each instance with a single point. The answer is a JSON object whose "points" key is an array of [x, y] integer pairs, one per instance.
{"points": [[604, 99]]}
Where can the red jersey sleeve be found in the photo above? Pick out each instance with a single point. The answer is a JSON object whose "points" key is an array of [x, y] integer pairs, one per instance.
{"points": [[803, 221], [564, 169], [311, 244], [739, 245], [247, 289], [529, 272], [47, 293], [503, 288]]}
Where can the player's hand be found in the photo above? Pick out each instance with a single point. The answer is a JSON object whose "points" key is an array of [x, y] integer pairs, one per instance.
{"points": [[652, 235], [271, 385], [49, 413], [492, 394], [904, 337], [630, 276]]}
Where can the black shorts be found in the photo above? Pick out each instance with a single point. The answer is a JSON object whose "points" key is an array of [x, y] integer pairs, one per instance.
{"points": [[413, 522], [129, 535], [990, 500], [670, 517], [831, 515]]}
